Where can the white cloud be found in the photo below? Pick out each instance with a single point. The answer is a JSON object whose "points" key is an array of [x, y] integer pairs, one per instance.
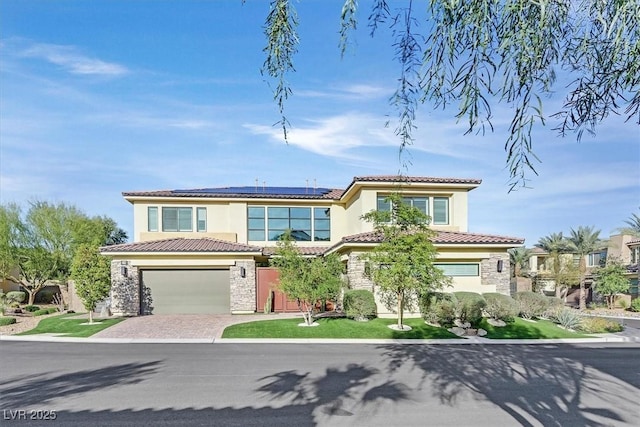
{"points": [[348, 92], [71, 59]]}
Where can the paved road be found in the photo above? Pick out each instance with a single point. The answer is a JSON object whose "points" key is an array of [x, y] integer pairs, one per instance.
{"points": [[311, 384]]}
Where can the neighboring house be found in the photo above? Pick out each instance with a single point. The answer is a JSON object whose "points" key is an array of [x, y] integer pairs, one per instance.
{"points": [[204, 250], [622, 247]]}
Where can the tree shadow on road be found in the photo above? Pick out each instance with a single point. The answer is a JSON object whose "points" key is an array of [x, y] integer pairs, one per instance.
{"points": [[530, 383]]}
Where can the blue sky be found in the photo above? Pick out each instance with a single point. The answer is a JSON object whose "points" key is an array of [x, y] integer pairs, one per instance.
{"points": [[102, 97]]}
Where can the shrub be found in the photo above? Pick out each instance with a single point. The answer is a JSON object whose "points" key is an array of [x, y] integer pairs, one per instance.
{"points": [[4, 321], [569, 318], [468, 306], [500, 306], [52, 310], [532, 304], [554, 305], [359, 304], [622, 303], [635, 304], [445, 311], [430, 307], [41, 312], [32, 308], [16, 296], [599, 325]]}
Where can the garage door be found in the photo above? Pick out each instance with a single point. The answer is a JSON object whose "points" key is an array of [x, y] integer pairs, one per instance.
{"points": [[185, 291]]}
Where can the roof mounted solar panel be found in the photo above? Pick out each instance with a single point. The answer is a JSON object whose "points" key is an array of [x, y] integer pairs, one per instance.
{"points": [[253, 190]]}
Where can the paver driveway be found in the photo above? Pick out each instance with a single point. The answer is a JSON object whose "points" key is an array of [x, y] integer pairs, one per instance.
{"points": [[181, 326]]}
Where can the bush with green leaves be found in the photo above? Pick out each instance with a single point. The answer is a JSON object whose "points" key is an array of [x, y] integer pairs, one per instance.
{"points": [[599, 325], [437, 308], [359, 304], [31, 308], [41, 312], [554, 305], [4, 321], [569, 318], [16, 296], [635, 304], [468, 307], [532, 304], [500, 306]]}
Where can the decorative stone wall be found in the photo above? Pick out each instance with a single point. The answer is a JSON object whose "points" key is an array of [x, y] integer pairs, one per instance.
{"points": [[243, 289], [125, 289], [356, 273], [489, 274]]}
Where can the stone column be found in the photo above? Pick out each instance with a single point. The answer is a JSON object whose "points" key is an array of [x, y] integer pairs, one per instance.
{"points": [[243, 289], [125, 289], [489, 274], [356, 273]]}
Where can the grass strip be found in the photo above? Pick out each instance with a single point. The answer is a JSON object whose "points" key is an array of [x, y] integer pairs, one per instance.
{"points": [[522, 329], [69, 325]]}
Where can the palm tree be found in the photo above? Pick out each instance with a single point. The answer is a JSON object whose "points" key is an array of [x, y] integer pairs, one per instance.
{"points": [[583, 241], [556, 244], [633, 225], [519, 258]]}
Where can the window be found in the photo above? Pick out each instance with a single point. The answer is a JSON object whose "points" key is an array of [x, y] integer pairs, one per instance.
{"points": [[298, 220], [635, 252], [305, 224], [441, 210], [459, 269], [439, 207], [152, 218], [256, 219], [596, 259], [201, 220], [322, 224], [177, 219]]}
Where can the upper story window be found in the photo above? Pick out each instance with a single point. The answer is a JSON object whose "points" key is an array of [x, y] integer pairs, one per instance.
{"points": [[201, 219], [596, 259], [635, 254], [177, 219], [152, 218], [305, 224], [438, 205]]}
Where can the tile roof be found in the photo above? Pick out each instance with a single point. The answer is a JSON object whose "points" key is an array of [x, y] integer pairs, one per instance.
{"points": [[443, 238], [304, 250], [257, 192], [633, 242], [179, 244], [326, 194], [416, 179]]}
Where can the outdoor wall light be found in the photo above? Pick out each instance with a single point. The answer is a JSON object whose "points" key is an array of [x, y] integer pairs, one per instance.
{"points": [[500, 265], [243, 272], [123, 270]]}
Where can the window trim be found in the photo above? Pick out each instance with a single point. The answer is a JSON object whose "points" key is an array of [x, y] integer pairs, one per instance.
{"points": [[198, 211], [178, 209], [265, 230]]}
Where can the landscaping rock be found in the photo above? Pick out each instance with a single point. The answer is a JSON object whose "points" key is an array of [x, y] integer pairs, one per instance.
{"points": [[497, 323], [458, 331], [482, 332], [460, 324]]}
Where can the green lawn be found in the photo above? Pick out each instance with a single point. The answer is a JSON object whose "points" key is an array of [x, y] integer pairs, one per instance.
{"points": [[377, 329], [70, 326], [522, 329], [334, 328]]}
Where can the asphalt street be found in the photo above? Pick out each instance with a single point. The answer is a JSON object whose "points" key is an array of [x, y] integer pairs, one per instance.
{"points": [[317, 385]]}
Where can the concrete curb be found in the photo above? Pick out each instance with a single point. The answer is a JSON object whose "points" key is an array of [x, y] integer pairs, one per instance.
{"points": [[460, 341]]}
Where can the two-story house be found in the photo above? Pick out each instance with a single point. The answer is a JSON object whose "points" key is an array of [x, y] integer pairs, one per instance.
{"points": [[202, 250]]}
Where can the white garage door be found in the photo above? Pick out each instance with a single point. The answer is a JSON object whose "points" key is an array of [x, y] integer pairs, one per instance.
{"points": [[185, 291]]}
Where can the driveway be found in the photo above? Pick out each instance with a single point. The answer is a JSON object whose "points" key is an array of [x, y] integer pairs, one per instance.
{"points": [[182, 326]]}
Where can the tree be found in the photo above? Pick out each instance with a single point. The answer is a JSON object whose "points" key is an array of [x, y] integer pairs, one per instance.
{"points": [[633, 225], [478, 54], [308, 281], [402, 264], [519, 258], [583, 241], [91, 273], [610, 280], [38, 247], [563, 272]]}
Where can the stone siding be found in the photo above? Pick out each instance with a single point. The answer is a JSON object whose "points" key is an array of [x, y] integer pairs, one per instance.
{"points": [[243, 289], [489, 274], [356, 273], [125, 289]]}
